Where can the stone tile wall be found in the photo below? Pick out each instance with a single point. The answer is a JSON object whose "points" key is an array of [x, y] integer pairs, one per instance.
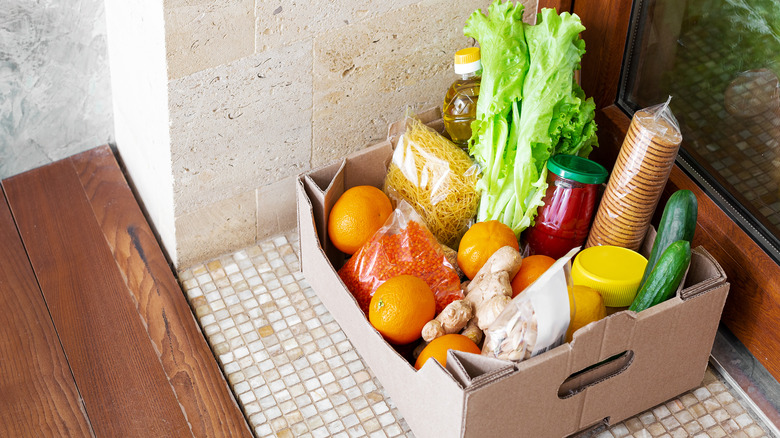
{"points": [[201, 34], [261, 91]]}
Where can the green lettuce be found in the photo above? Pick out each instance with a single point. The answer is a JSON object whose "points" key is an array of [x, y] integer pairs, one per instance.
{"points": [[504, 57], [529, 107]]}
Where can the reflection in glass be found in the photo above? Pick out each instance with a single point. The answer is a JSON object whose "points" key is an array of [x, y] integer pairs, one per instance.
{"points": [[720, 61]]}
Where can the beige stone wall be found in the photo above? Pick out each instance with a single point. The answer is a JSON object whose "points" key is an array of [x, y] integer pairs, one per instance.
{"points": [[261, 91]]}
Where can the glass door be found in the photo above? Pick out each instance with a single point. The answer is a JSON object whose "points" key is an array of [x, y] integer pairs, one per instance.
{"points": [[720, 62]]}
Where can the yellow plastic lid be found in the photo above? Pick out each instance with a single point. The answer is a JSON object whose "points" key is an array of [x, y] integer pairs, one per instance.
{"points": [[467, 55], [467, 61], [611, 270]]}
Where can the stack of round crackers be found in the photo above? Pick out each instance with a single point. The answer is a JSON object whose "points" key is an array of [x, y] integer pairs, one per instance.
{"points": [[638, 178]]}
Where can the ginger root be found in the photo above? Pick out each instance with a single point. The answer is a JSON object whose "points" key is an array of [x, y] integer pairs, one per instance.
{"points": [[491, 289], [451, 320], [490, 309], [473, 332], [486, 296], [505, 259]]}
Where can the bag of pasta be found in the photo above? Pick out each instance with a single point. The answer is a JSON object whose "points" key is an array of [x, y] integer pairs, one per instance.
{"points": [[537, 319], [437, 178]]}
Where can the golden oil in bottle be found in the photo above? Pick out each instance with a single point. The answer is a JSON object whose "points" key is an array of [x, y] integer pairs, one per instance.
{"points": [[460, 102]]}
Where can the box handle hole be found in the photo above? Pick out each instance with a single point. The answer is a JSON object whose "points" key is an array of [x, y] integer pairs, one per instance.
{"points": [[594, 374]]}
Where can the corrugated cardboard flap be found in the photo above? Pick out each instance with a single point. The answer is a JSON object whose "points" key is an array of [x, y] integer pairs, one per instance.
{"points": [[473, 370], [705, 274]]}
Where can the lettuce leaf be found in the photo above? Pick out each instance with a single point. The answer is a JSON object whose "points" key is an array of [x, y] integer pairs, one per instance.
{"points": [[503, 53], [529, 107], [504, 57]]}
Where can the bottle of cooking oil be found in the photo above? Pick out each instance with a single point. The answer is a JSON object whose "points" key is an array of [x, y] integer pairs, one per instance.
{"points": [[460, 102]]}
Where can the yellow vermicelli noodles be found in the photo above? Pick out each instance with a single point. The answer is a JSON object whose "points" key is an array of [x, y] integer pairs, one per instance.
{"points": [[438, 178]]}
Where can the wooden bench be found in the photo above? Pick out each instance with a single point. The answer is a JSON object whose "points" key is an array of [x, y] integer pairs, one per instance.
{"points": [[96, 336]]}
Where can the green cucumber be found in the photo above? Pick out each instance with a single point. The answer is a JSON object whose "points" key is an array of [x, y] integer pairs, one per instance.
{"points": [[665, 277], [678, 222]]}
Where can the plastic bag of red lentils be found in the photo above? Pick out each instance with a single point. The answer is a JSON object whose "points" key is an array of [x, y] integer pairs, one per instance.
{"points": [[403, 246]]}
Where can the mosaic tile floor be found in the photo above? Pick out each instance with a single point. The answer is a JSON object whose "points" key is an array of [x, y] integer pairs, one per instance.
{"points": [[295, 373]]}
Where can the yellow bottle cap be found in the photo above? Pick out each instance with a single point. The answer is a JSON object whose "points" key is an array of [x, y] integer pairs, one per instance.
{"points": [[613, 271], [467, 61], [467, 56]]}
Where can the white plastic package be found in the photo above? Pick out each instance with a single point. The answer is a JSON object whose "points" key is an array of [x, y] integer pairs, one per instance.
{"points": [[536, 320]]}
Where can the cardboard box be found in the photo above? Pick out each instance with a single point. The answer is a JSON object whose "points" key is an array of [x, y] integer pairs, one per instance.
{"points": [[654, 355]]}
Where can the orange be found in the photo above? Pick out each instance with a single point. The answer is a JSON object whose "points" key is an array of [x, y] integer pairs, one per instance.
{"points": [[438, 348], [356, 216], [531, 269], [400, 307], [588, 307], [480, 242]]}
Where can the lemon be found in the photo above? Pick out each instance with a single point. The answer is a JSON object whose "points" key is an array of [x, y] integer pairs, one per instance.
{"points": [[588, 307]]}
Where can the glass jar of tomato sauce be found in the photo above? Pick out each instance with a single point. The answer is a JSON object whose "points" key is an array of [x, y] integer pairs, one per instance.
{"points": [[562, 223]]}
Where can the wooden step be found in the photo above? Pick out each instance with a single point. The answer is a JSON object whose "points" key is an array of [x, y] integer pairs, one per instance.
{"points": [[37, 393], [135, 351]]}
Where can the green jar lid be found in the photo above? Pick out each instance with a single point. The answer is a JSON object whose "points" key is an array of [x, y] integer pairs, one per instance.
{"points": [[577, 169]]}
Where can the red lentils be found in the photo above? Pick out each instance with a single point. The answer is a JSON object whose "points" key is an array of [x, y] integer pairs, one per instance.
{"points": [[411, 251]]}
